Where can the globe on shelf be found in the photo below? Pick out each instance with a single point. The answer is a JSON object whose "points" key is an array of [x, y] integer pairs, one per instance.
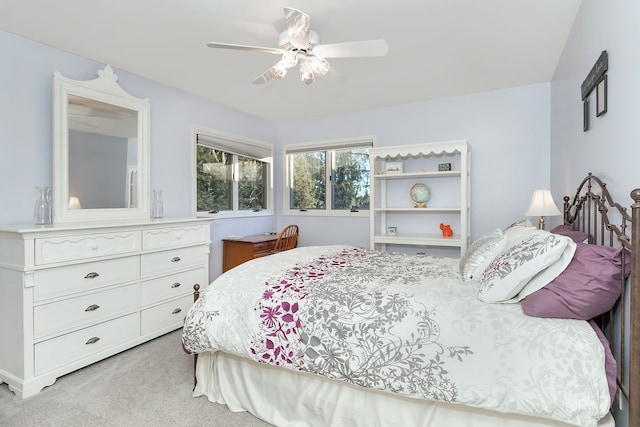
{"points": [[419, 194]]}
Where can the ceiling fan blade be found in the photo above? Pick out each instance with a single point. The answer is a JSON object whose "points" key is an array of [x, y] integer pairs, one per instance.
{"points": [[275, 50], [264, 77], [298, 26], [352, 49]]}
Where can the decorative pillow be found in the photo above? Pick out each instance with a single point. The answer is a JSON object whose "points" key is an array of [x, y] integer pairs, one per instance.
{"points": [[520, 223], [518, 230], [512, 269], [575, 235], [480, 254], [548, 274], [610, 364], [588, 287]]}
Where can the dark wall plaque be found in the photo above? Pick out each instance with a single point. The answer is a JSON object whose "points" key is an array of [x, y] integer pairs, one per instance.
{"points": [[599, 68]]}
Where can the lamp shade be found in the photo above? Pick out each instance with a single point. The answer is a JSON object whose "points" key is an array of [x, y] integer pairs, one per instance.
{"points": [[74, 203], [542, 204]]}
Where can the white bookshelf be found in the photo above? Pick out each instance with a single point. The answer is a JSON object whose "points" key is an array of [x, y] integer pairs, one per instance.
{"points": [[417, 228]]}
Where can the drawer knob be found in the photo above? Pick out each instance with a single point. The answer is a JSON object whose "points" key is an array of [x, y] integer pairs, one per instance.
{"points": [[91, 275], [176, 310], [92, 307], [178, 236], [176, 285], [92, 340], [175, 259], [94, 246]]}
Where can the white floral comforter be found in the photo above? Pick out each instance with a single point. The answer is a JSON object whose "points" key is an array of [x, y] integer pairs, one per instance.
{"points": [[403, 324]]}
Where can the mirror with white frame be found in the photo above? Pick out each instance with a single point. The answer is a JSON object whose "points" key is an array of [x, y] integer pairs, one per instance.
{"points": [[100, 150]]}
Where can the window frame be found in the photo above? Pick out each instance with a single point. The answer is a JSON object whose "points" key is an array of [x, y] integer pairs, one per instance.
{"points": [[329, 146], [237, 146]]}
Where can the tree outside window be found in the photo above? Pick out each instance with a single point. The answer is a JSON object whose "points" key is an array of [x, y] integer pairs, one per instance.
{"points": [[251, 184], [351, 179], [309, 186], [214, 179], [228, 182], [328, 179]]}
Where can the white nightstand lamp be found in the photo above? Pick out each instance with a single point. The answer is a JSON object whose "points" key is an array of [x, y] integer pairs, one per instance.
{"points": [[542, 205]]}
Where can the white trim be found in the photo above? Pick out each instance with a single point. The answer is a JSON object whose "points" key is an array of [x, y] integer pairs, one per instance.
{"points": [[330, 144], [326, 145], [237, 145], [335, 212], [235, 214], [104, 89]]}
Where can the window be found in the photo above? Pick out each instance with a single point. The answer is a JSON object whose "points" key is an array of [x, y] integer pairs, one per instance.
{"points": [[232, 175], [329, 178]]}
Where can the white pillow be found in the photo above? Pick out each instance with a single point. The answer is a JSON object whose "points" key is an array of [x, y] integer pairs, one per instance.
{"points": [[518, 231], [480, 254], [541, 279], [513, 268]]}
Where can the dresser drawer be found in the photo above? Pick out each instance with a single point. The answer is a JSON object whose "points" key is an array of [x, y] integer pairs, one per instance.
{"points": [[171, 286], [238, 251], [168, 314], [77, 345], [262, 248], [162, 238], [79, 247], [84, 310], [62, 281], [173, 260]]}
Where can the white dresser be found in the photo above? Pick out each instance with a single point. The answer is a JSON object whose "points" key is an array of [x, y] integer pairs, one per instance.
{"points": [[73, 294]]}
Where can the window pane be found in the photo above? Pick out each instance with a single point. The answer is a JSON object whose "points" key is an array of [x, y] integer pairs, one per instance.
{"points": [[251, 185], [214, 184], [308, 186], [351, 179]]}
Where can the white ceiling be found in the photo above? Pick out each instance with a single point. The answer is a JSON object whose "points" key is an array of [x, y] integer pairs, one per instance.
{"points": [[437, 48]]}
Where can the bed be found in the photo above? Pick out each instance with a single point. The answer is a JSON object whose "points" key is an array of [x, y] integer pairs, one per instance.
{"points": [[345, 336]]}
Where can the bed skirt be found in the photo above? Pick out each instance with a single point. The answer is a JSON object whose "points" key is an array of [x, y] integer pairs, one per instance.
{"points": [[288, 398]]}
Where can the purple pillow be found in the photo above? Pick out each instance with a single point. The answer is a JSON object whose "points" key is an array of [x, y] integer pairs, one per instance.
{"points": [[575, 235], [588, 287], [610, 365]]}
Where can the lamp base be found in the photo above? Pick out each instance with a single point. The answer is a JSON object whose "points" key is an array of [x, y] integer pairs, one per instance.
{"points": [[541, 223]]}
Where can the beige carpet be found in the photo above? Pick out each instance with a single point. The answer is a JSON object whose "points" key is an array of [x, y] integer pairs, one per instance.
{"points": [[149, 385]]}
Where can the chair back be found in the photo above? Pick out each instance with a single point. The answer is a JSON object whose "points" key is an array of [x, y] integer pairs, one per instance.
{"points": [[287, 239]]}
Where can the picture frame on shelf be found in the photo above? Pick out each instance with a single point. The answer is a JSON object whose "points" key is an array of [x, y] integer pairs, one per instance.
{"points": [[601, 96], [393, 168], [392, 231]]}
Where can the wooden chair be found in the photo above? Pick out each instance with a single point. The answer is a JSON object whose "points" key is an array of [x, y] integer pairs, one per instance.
{"points": [[287, 239]]}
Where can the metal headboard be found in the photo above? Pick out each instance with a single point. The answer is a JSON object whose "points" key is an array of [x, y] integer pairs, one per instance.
{"points": [[594, 212]]}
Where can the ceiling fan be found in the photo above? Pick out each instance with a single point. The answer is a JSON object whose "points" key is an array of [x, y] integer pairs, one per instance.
{"points": [[298, 44]]}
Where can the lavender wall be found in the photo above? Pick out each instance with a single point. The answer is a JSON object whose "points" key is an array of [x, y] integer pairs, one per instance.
{"points": [[26, 140], [610, 146], [508, 131]]}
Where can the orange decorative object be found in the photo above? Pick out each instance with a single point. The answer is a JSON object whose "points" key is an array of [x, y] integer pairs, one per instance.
{"points": [[446, 230]]}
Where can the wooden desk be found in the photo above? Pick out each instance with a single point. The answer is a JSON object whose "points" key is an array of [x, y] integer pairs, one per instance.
{"points": [[237, 251]]}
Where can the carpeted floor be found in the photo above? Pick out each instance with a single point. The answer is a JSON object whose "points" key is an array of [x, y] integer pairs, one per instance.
{"points": [[149, 385]]}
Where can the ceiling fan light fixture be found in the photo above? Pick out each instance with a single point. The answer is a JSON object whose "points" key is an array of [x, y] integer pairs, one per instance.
{"points": [[299, 45], [279, 70], [306, 74], [307, 77], [320, 65], [289, 59]]}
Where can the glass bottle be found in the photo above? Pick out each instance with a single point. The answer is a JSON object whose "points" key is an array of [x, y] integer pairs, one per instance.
{"points": [[42, 210], [157, 208]]}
